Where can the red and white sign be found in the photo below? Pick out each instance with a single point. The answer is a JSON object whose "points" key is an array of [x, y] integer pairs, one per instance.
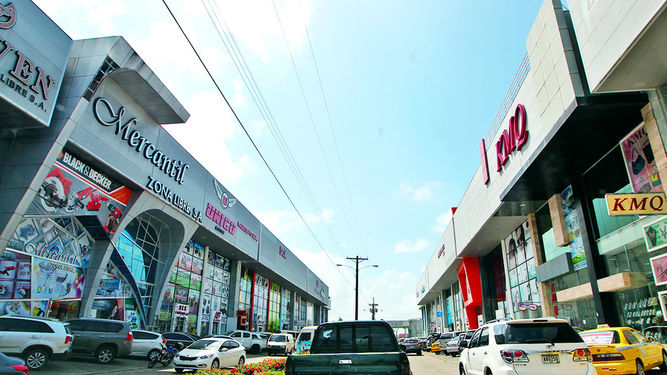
{"points": [[181, 310], [513, 138]]}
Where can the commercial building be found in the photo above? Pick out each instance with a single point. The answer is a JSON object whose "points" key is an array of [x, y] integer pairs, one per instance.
{"points": [[105, 215], [541, 229]]}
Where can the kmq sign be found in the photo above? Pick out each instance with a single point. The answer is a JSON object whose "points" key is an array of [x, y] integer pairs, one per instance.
{"points": [[33, 54], [636, 204], [511, 139]]}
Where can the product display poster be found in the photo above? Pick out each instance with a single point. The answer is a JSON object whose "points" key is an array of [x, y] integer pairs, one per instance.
{"points": [[659, 269], [655, 234], [15, 307], [52, 280], [73, 187], [576, 244], [600, 337], [640, 162]]}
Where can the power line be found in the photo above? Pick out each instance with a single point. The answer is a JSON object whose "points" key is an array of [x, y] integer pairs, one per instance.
{"points": [[275, 177]]}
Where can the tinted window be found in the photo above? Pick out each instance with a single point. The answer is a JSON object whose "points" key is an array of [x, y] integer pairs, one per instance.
{"points": [[23, 325], [474, 341], [169, 335], [110, 327], [639, 336], [4, 324], [75, 325], [139, 335], [358, 338], [246, 334], [499, 334], [278, 338], [630, 337], [484, 337], [237, 334], [540, 333], [256, 336], [304, 336], [231, 344]]}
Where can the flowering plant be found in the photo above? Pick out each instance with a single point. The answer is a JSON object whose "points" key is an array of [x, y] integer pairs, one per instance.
{"points": [[266, 367]]}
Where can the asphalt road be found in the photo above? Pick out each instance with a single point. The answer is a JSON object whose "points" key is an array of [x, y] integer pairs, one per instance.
{"points": [[427, 364]]}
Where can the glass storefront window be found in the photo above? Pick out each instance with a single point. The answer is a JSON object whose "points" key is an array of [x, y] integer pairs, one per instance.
{"points": [[274, 309], [260, 304], [245, 289], [522, 274]]}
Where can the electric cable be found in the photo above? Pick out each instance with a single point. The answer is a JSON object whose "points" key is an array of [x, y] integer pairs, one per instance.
{"points": [[275, 177]]}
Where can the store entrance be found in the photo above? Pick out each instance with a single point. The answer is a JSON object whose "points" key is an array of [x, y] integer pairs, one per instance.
{"points": [[180, 324]]}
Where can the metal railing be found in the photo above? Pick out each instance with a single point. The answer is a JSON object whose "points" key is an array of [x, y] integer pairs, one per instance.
{"points": [[519, 77]]}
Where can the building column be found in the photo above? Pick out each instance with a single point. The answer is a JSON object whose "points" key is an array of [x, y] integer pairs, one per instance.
{"points": [[100, 251], [538, 256], [233, 296], [655, 137]]}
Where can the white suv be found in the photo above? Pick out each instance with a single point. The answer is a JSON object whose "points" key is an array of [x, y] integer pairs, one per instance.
{"points": [[37, 340], [251, 341], [545, 346]]}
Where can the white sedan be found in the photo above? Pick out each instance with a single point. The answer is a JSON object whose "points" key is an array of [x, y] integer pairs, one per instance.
{"points": [[210, 353]]}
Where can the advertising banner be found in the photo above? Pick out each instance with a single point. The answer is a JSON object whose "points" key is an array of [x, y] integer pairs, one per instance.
{"points": [[576, 243], [521, 268], [60, 239], [640, 162], [659, 269], [636, 204], [14, 276], [75, 188], [53, 280], [655, 234]]}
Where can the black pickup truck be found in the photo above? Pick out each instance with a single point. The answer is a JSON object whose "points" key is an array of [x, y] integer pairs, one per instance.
{"points": [[360, 347]]}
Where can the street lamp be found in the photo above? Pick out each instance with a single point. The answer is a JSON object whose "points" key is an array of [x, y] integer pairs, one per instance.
{"points": [[357, 259]]}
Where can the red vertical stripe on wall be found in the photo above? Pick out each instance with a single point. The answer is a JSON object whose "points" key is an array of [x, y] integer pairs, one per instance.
{"points": [[268, 307], [252, 300]]}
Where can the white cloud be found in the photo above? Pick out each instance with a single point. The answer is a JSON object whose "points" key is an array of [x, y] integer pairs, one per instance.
{"points": [[90, 15], [441, 222], [284, 223], [408, 246], [373, 282], [205, 134], [424, 193]]}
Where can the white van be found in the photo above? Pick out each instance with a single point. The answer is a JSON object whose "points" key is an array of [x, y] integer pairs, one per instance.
{"points": [[305, 339]]}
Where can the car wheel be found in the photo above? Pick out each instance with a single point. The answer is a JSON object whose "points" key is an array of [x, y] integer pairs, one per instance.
{"points": [[153, 354], [104, 354], [663, 365], [178, 370], [640, 368], [419, 352], [254, 349], [215, 364], [462, 371], [36, 358], [241, 361]]}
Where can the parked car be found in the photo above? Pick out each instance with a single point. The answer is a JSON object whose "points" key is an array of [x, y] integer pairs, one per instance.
{"points": [[545, 346], [210, 353], [453, 347], [175, 338], [280, 343], [623, 349], [438, 346], [12, 365], [251, 341], [411, 345], [147, 344], [37, 340], [335, 350], [304, 340], [104, 339], [433, 337]]}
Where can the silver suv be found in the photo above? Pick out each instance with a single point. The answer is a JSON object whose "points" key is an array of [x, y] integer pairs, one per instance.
{"points": [[102, 338], [37, 340]]}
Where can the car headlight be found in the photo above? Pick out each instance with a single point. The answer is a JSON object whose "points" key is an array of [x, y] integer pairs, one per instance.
{"points": [[206, 356]]}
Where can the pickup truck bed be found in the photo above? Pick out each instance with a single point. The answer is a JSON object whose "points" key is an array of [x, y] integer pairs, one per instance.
{"points": [[359, 347]]}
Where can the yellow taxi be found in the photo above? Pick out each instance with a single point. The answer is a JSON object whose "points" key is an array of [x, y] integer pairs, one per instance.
{"points": [[435, 347], [623, 350]]}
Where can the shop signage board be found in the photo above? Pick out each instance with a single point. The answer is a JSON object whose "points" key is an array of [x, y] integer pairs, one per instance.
{"points": [[181, 310], [33, 56], [636, 204]]}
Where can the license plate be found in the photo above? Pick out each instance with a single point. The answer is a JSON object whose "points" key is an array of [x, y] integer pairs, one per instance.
{"points": [[550, 359]]}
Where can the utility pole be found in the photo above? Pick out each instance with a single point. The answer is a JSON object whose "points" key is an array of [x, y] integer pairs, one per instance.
{"points": [[357, 259], [373, 309]]}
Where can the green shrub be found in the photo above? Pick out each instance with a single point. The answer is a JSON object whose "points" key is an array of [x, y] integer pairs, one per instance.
{"points": [[266, 367]]}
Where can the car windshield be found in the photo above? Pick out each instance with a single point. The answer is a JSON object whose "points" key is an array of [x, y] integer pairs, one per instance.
{"points": [[534, 333], [203, 344], [600, 337], [278, 338]]}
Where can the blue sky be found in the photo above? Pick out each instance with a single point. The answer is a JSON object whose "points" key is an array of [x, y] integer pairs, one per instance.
{"points": [[411, 87]]}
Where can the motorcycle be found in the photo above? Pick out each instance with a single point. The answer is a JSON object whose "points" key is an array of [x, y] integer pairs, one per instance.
{"points": [[165, 357]]}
